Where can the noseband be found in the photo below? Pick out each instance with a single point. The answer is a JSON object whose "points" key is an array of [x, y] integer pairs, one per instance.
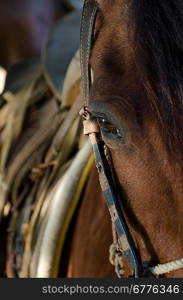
{"points": [[123, 244]]}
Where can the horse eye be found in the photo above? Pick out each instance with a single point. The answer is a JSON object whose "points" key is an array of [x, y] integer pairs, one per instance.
{"points": [[109, 130]]}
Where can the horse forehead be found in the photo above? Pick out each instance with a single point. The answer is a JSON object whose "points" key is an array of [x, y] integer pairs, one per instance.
{"points": [[112, 23]]}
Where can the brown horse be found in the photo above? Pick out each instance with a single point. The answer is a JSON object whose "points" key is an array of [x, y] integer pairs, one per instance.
{"points": [[137, 100]]}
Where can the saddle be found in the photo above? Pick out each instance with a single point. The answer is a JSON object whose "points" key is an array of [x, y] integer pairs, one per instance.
{"points": [[44, 164]]}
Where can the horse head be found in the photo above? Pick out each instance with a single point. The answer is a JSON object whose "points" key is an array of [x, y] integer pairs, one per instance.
{"points": [[136, 98]]}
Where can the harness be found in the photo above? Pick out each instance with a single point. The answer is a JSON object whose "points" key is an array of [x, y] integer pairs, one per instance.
{"points": [[123, 245]]}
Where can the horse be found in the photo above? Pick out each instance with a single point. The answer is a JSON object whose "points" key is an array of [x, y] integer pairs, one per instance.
{"points": [[136, 104]]}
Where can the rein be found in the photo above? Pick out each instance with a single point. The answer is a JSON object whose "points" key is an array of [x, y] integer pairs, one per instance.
{"points": [[123, 244]]}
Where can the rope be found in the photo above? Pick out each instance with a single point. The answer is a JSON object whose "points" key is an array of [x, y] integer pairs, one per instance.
{"points": [[168, 267]]}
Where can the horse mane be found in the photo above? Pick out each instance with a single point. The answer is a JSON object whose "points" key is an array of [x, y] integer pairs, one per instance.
{"points": [[158, 40]]}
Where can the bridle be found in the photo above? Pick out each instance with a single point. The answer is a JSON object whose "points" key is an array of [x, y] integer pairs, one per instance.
{"points": [[123, 243]]}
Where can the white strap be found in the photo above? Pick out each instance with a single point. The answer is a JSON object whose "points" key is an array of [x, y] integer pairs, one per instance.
{"points": [[167, 268]]}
